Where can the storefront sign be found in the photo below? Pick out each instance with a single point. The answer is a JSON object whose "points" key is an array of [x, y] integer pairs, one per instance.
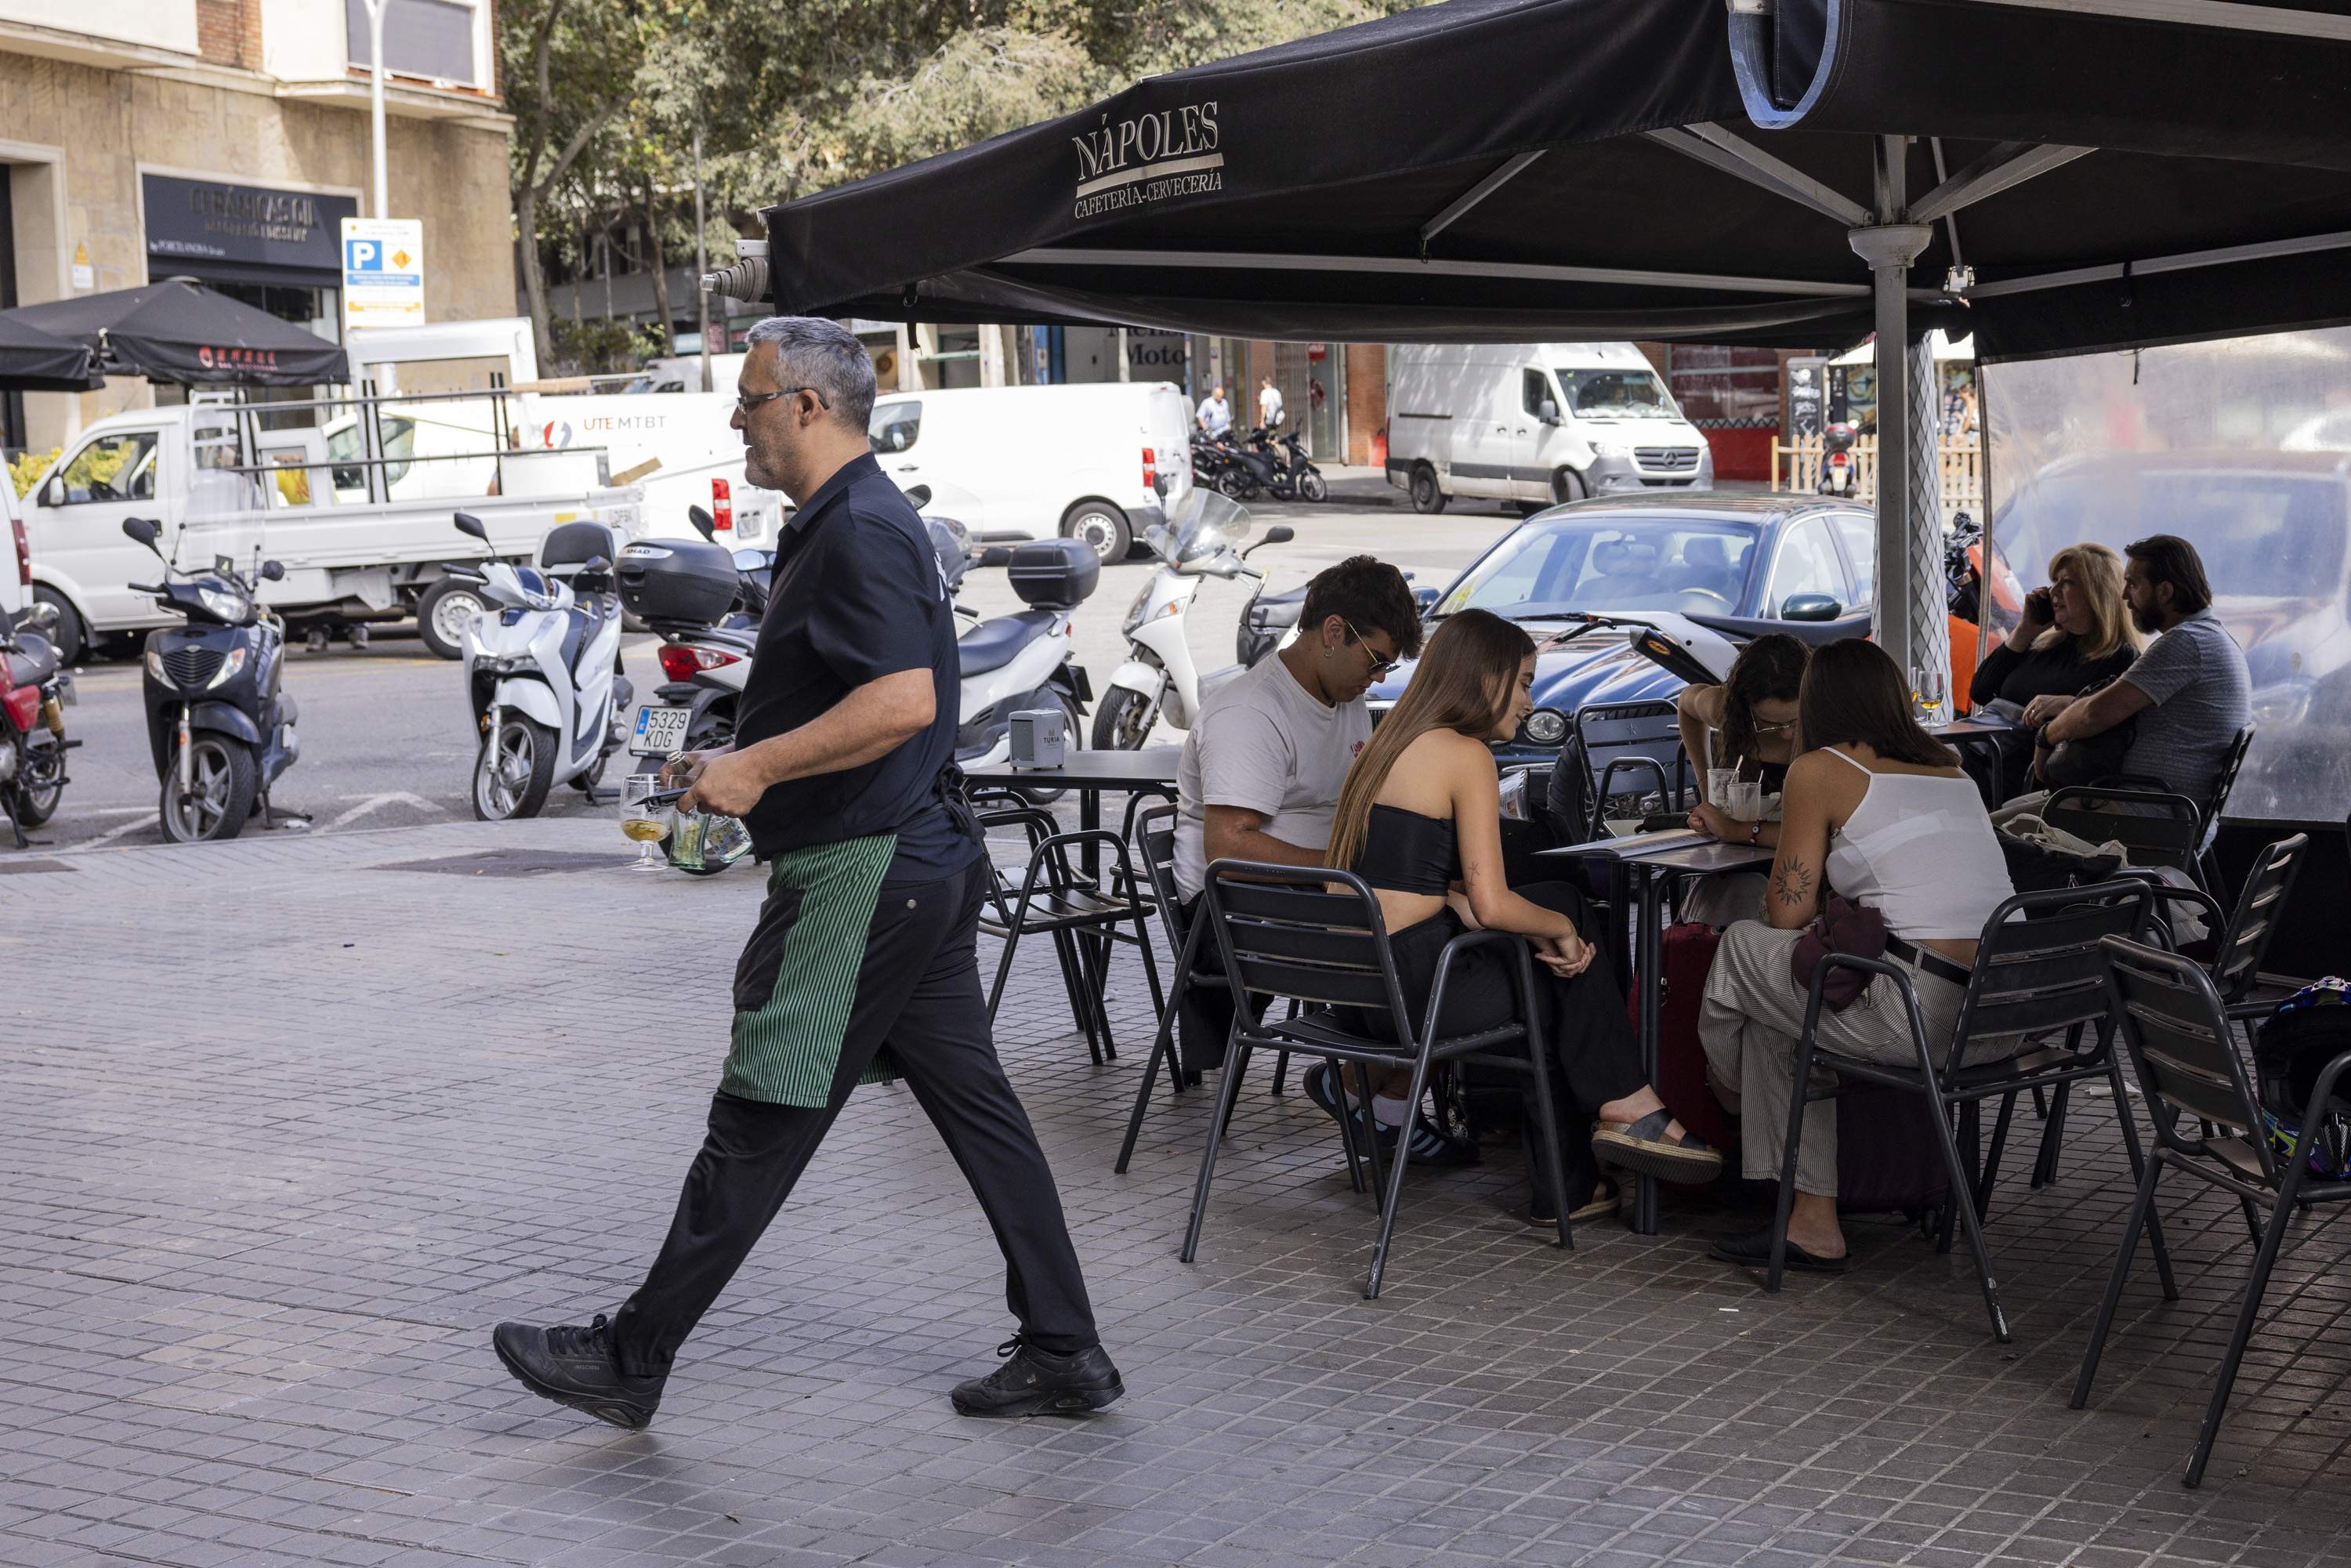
{"points": [[383, 272], [85, 276], [212, 222], [1160, 353]]}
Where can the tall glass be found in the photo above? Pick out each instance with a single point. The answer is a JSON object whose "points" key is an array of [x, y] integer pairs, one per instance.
{"points": [[647, 825], [1926, 691]]}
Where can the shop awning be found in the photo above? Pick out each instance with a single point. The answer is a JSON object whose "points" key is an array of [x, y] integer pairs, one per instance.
{"points": [[179, 331], [35, 360], [1600, 169]]}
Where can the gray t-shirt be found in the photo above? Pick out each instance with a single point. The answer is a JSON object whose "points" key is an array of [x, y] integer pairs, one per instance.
{"points": [[1264, 743], [2195, 674]]}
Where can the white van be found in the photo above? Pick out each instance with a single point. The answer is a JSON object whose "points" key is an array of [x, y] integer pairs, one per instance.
{"points": [[1098, 460], [1536, 423]]}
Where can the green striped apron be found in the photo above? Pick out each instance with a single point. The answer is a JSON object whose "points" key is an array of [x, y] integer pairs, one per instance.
{"points": [[786, 1046]]}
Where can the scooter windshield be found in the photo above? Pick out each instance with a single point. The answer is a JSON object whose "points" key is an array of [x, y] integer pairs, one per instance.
{"points": [[1203, 524]]}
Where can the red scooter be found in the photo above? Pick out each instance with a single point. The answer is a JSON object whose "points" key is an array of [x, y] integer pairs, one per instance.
{"points": [[33, 744]]}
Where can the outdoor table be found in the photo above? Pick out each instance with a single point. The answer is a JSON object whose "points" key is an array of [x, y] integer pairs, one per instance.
{"points": [[1091, 774], [1985, 733], [1647, 864]]}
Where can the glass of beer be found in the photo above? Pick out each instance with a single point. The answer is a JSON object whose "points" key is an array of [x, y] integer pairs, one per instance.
{"points": [[648, 825], [1926, 694]]}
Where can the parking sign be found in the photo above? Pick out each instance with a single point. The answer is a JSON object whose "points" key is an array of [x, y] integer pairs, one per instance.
{"points": [[383, 272]]}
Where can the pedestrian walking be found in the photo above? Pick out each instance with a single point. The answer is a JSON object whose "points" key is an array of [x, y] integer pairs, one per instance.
{"points": [[861, 967], [1268, 404]]}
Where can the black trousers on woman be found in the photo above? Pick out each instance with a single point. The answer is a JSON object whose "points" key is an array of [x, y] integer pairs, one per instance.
{"points": [[1595, 1056]]}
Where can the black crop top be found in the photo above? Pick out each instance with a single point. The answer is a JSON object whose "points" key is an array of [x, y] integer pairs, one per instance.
{"points": [[1405, 852]]}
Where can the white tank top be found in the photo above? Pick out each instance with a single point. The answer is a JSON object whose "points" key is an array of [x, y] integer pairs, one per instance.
{"points": [[1921, 851]]}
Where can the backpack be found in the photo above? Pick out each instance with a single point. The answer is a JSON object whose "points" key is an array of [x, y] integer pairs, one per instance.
{"points": [[2307, 1031], [2037, 865]]}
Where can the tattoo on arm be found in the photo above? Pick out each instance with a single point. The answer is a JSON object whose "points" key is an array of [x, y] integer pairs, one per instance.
{"points": [[1791, 884]]}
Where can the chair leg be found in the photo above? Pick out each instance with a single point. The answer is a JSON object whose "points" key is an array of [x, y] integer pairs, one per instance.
{"points": [[1003, 966], [1226, 1092], [2255, 1288], [1972, 1150], [1371, 1126], [1347, 1129], [1280, 1071], [1547, 1123], [1073, 977], [2141, 1206], [2139, 1160], [1962, 1181], [1163, 1049], [1097, 951], [1798, 1099], [2052, 1137], [1993, 1155], [2040, 1106], [1394, 1198], [1237, 1060]]}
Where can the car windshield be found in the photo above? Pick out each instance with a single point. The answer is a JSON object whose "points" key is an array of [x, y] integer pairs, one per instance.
{"points": [[1617, 394], [1601, 564]]}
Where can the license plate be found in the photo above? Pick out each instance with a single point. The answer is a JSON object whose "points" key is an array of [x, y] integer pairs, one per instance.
{"points": [[659, 732]]}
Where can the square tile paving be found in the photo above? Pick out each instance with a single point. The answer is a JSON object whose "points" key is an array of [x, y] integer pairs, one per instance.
{"points": [[288, 1132]]}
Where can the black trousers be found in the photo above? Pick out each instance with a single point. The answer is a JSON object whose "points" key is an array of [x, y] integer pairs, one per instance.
{"points": [[1594, 1052], [918, 992]]}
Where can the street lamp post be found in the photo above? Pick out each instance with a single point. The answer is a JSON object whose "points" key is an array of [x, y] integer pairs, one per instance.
{"points": [[382, 206], [701, 261]]}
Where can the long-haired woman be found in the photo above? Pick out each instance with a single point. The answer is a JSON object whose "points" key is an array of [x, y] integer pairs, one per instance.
{"points": [[1419, 819], [2075, 633], [1748, 723], [1880, 810]]}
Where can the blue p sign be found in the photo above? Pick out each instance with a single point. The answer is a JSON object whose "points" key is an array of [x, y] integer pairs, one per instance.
{"points": [[363, 256]]}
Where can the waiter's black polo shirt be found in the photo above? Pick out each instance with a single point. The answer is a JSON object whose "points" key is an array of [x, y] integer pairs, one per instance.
{"points": [[857, 596]]}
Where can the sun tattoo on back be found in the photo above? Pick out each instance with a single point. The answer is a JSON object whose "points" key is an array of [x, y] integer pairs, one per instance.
{"points": [[1791, 884]]}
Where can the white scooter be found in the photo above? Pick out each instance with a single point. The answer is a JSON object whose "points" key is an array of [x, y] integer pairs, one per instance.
{"points": [[1159, 679], [542, 670]]}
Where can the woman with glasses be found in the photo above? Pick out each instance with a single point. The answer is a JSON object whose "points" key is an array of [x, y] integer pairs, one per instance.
{"points": [[1419, 819], [1748, 723]]}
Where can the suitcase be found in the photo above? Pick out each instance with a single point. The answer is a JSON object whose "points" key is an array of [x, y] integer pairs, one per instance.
{"points": [[1888, 1155]]}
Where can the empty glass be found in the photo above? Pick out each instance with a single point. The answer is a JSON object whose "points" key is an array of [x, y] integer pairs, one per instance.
{"points": [[647, 825]]}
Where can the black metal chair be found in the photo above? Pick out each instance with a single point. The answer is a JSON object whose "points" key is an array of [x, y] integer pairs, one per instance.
{"points": [[1637, 741], [996, 809], [2177, 1031], [1280, 930], [1083, 918], [2201, 865], [2155, 826], [2036, 978]]}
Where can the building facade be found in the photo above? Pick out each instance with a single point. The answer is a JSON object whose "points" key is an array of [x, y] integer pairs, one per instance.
{"points": [[224, 140]]}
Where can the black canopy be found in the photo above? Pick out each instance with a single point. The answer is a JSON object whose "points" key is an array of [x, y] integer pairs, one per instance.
{"points": [[1508, 170], [178, 330], [34, 360]]}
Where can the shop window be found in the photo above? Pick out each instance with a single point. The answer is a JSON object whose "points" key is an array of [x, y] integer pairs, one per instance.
{"points": [[436, 39]]}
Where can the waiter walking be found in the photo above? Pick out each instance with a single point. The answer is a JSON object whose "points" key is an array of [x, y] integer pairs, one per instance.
{"points": [[861, 967]]}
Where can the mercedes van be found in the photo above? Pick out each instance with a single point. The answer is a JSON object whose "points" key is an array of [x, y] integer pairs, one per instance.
{"points": [[1538, 423]]}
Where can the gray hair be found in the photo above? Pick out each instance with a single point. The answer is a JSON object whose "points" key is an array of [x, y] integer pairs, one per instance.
{"points": [[812, 351]]}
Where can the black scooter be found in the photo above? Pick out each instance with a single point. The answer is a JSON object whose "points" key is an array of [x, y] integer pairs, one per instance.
{"points": [[218, 723], [1295, 475]]}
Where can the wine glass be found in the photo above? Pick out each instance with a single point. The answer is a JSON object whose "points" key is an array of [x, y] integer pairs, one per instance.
{"points": [[646, 824], [1927, 691]]}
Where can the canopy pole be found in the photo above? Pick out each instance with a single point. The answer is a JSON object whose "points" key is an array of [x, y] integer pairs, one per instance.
{"points": [[1929, 586], [1889, 247]]}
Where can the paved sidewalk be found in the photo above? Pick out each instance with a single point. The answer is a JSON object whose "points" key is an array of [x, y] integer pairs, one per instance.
{"points": [[293, 1121]]}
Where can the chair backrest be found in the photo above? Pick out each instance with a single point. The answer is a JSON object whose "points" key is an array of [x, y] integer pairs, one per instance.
{"points": [[2226, 780], [2254, 921], [2043, 974], [1283, 931], [2176, 1031], [1648, 734], [2154, 827], [1155, 839]]}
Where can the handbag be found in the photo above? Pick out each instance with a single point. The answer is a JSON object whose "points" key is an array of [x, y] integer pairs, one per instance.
{"points": [[2089, 760], [1844, 926]]}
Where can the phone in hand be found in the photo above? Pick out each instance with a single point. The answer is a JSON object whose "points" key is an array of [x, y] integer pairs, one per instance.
{"points": [[2041, 607]]}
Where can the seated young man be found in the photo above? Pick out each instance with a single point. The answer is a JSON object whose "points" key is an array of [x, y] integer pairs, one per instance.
{"points": [[1262, 767], [2190, 691]]}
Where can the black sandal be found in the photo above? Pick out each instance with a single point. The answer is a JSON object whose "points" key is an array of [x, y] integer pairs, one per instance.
{"points": [[1643, 1149]]}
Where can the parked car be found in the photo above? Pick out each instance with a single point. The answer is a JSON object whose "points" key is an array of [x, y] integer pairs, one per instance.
{"points": [[1536, 423], [1733, 566], [2273, 529], [1099, 461]]}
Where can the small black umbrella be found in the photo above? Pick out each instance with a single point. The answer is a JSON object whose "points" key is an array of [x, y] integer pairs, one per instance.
{"points": [[180, 331], [35, 360]]}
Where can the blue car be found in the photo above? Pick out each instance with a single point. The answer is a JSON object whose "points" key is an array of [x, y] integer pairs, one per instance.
{"points": [[1731, 565]]}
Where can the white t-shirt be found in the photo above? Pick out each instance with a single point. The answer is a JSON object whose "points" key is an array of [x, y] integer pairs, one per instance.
{"points": [[1269, 406], [1265, 744]]}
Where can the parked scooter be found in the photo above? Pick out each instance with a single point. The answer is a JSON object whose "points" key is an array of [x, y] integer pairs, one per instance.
{"points": [[542, 670], [1158, 679], [1295, 477], [753, 570], [1837, 474], [218, 722], [1231, 468], [33, 744]]}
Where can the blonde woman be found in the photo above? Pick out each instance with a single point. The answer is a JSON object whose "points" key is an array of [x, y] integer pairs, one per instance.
{"points": [[1419, 819], [2075, 633]]}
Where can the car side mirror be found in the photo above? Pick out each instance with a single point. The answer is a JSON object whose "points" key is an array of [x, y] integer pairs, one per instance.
{"points": [[53, 493], [702, 523], [271, 571], [469, 524], [1548, 412], [1809, 607], [146, 530], [919, 497], [1426, 598]]}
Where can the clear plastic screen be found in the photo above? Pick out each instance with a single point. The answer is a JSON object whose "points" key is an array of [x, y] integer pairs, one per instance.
{"points": [[2243, 448]]}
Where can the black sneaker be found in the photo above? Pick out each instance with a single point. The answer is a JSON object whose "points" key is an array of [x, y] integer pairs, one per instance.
{"points": [[575, 1366], [1035, 1382]]}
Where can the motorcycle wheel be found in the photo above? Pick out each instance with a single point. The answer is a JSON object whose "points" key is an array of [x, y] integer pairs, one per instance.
{"points": [[225, 782], [1312, 487], [1123, 720], [1237, 485], [513, 770], [37, 801]]}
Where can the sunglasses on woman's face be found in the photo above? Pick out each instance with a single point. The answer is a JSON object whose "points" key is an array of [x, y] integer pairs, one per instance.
{"points": [[1782, 727]]}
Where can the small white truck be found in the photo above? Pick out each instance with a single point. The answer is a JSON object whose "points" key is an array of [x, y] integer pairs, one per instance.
{"points": [[221, 481]]}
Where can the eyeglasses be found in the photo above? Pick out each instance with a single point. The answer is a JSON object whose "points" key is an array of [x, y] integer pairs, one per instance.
{"points": [[1781, 727], [1380, 667], [747, 401]]}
